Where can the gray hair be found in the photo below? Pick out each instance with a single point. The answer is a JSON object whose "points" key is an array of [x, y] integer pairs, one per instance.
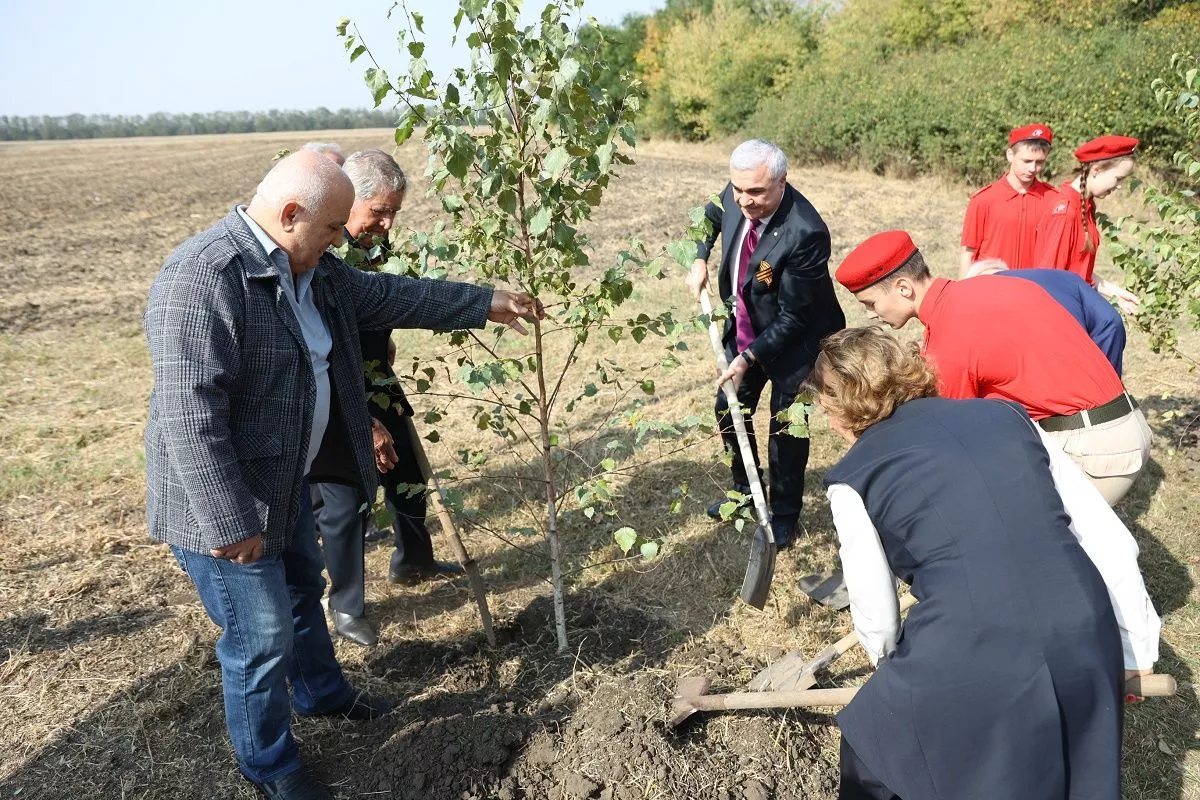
{"points": [[987, 266], [323, 148], [757, 152], [374, 172], [302, 177]]}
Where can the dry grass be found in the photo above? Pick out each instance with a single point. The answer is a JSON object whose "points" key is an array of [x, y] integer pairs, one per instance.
{"points": [[105, 668]]}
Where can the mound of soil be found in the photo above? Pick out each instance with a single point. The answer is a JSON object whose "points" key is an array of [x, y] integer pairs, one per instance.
{"points": [[522, 722]]}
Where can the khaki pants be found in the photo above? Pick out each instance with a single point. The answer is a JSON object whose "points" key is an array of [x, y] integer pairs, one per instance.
{"points": [[1111, 454]]}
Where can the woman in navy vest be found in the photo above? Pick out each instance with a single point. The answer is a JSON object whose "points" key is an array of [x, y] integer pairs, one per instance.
{"points": [[1006, 681]]}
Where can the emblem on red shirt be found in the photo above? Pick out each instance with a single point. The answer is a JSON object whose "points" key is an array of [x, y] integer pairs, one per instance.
{"points": [[1061, 208]]}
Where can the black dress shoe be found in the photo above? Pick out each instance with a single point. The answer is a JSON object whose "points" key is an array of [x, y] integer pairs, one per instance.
{"points": [[362, 707], [356, 629], [784, 531], [417, 573], [294, 786], [714, 511]]}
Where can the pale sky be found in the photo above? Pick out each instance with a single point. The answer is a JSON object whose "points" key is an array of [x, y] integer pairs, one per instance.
{"points": [[139, 56]]}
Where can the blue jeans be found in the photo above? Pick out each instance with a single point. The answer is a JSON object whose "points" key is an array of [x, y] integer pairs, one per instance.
{"points": [[273, 633]]}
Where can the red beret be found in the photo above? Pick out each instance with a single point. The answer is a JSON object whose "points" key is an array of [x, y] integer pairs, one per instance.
{"points": [[1035, 131], [875, 259], [1106, 147]]}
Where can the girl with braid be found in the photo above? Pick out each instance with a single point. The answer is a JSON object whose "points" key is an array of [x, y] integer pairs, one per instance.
{"points": [[1067, 237]]}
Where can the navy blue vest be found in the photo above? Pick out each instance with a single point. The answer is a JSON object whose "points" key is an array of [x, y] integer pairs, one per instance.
{"points": [[1007, 679]]}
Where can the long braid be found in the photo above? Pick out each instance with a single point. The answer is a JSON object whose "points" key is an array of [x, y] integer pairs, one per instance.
{"points": [[1088, 245]]}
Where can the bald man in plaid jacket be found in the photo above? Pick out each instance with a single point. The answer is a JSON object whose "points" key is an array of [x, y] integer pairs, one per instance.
{"points": [[253, 332]]}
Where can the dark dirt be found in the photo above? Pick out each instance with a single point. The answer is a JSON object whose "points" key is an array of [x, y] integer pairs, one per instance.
{"points": [[586, 726]]}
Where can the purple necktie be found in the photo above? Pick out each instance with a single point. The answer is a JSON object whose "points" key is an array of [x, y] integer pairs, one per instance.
{"points": [[742, 325]]}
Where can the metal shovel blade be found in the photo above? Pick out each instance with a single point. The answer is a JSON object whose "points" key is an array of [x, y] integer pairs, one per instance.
{"points": [[756, 585], [828, 590]]}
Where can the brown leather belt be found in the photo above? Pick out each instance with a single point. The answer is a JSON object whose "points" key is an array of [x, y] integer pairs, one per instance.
{"points": [[1116, 408]]}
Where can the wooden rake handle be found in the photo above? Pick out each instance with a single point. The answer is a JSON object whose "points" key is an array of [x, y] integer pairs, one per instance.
{"points": [[839, 648]]}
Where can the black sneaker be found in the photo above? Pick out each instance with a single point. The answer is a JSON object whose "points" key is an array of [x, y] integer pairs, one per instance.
{"points": [[412, 574], [297, 785], [362, 707], [714, 511]]}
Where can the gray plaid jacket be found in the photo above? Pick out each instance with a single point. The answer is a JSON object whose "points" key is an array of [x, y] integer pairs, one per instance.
{"points": [[232, 404]]}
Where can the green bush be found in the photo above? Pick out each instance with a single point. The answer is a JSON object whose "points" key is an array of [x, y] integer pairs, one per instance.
{"points": [[950, 110], [707, 73]]}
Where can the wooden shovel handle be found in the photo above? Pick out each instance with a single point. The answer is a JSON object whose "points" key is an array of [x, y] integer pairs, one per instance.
{"points": [[739, 422], [1142, 686]]}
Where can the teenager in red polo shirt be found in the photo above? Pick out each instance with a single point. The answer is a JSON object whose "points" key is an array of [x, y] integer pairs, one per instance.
{"points": [[1067, 236], [1010, 340], [1002, 217]]}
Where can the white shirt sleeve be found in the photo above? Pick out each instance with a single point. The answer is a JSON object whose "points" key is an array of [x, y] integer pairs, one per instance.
{"points": [[869, 580], [1113, 550]]}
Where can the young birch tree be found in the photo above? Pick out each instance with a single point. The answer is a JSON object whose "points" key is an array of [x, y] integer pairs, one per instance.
{"points": [[523, 145]]}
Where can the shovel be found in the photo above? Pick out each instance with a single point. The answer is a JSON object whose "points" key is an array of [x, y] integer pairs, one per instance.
{"points": [[756, 584], [693, 696], [478, 589], [792, 673]]}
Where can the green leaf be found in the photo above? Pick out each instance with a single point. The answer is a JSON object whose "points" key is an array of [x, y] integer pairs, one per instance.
{"points": [[649, 550], [452, 202], [568, 68], [625, 538], [540, 221], [683, 251], [604, 154], [358, 51], [377, 82], [648, 386], [416, 49], [555, 161]]}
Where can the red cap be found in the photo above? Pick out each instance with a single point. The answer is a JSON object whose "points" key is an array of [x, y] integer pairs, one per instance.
{"points": [[1035, 131], [875, 259], [1106, 147]]}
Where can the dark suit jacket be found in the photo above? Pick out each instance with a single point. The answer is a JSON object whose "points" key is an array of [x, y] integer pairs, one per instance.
{"points": [[794, 309], [231, 410]]}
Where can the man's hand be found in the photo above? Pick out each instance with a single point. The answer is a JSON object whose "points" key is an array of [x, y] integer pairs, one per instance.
{"points": [[384, 446], [697, 279], [246, 551], [735, 373], [1134, 673], [1127, 301], [511, 307], [391, 351]]}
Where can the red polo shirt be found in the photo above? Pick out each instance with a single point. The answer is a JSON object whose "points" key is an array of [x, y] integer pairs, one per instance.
{"points": [[1059, 242], [999, 338], [1002, 222]]}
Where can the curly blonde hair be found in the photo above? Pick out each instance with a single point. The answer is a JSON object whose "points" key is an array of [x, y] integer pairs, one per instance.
{"points": [[862, 375]]}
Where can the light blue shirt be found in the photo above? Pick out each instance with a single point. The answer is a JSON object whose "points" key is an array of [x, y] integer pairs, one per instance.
{"points": [[298, 290]]}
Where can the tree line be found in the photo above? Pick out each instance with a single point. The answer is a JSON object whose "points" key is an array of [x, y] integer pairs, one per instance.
{"points": [[96, 126]]}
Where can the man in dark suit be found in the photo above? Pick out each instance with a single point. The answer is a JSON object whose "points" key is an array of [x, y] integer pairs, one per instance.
{"points": [[343, 509], [774, 273], [253, 334]]}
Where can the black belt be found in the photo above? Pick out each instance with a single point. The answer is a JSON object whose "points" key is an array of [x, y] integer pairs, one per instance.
{"points": [[1116, 408]]}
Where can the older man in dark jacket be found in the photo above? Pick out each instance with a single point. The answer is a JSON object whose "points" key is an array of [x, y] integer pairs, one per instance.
{"points": [[774, 271], [253, 333]]}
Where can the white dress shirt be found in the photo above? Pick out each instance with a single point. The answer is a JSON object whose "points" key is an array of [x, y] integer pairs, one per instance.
{"points": [[1107, 542]]}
